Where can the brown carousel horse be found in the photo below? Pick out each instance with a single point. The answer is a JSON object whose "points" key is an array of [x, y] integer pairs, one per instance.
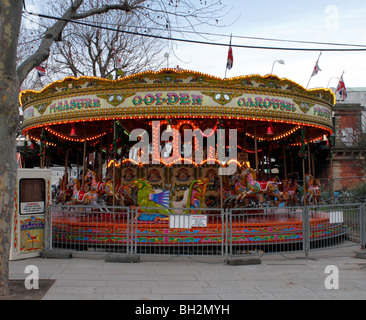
{"points": [[64, 192], [127, 195], [312, 191], [104, 189], [250, 188], [290, 188], [83, 195], [123, 195]]}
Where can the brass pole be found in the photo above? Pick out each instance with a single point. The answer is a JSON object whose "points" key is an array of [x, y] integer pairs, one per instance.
{"points": [[84, 161], [284, 161], [256, 149], [309, 159]]}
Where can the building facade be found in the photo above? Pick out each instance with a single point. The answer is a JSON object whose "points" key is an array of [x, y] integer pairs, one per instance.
{"points": [[348, 163]]}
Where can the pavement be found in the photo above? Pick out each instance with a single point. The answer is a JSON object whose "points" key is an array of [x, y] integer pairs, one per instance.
{"points": [[290, 276]]}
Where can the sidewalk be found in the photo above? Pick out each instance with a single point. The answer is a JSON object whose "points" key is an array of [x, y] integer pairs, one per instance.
{"points": [[278, 277]]}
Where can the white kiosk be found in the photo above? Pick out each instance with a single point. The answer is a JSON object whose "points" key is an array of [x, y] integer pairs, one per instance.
{"points": [[32, 199]]}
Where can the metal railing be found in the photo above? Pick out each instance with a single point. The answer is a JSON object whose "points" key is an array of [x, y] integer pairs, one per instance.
{"points": [[208, 232]]}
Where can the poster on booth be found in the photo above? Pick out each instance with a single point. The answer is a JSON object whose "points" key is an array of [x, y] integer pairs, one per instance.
{"points": [[32, 207]]}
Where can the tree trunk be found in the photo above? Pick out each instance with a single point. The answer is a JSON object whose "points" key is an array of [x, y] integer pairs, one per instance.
{"points": [[10, 18]]}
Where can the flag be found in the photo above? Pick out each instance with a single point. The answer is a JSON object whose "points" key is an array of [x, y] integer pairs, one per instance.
{"points": [[230, 58], [341, 89], [118, 62], [41, 71], [316, 69]]}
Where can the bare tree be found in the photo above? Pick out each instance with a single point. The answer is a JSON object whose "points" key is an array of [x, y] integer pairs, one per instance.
{"points": [[100, 53], [72, 49], [10, 15], [85, 50], [161, 13]]}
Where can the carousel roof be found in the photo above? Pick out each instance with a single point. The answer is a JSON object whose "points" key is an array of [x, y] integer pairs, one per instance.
{"points": [[246, 103]]}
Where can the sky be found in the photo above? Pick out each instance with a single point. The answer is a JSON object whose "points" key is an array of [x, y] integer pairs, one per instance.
{"points": [[311, 20], [332, 21]]}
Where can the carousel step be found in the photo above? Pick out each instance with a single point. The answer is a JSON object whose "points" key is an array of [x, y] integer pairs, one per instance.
{"points": [[361, 255], [243, 261], [122, 258], [50, 254]]}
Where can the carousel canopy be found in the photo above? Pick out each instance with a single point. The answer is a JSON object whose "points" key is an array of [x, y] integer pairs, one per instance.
{"points": [[79, 109]]}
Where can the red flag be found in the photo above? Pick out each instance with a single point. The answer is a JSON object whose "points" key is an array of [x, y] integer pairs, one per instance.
{"points": [[316, 69], [41, 71], [230, 59]]}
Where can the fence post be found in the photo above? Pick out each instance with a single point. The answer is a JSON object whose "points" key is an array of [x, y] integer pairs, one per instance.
{"points": [[128, 219], [226, 232], [133, 233], [306, 230], [48, 229], [363, 226]]}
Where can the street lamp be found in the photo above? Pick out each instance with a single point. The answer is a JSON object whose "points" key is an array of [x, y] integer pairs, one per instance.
{"points": [[166, 55], [331, 79], [279, 61]]}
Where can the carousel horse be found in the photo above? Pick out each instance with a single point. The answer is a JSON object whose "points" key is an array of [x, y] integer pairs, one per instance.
{"points": [[290, 192], [83, 195], [126, 195], [64, 193], [104, 190], [312, 191], [230, 196], [255, 189], [226, 192]]}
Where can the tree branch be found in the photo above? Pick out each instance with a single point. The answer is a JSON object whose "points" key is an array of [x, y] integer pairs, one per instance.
{"points": [[43, 51], [104, 9], [55, 32]]}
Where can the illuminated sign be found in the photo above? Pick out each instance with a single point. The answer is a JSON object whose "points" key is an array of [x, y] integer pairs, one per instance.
{"points": [[74, 104], [168, 99]]}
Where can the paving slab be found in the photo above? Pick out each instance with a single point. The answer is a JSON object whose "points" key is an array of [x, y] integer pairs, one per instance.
{"points": [[279, 277]]}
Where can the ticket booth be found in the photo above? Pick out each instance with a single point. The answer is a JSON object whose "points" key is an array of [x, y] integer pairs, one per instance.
{"points": [[32, 200]]}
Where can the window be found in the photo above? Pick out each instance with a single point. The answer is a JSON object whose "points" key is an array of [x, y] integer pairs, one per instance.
{"points": [[32, 196], [363, 121]]}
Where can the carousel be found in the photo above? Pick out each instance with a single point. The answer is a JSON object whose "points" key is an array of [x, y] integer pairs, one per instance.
{"points": [[180, 143]]}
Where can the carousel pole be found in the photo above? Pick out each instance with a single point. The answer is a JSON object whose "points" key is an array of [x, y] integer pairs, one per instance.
{"points": [[114, 162], [100, 156], [305, 218], [220, 126], [269, 161], [84, 162], [221, 188], [309, 160], [284, 161], [77, 167], [66, 165], [302, 154], [42, 151], [256, 150]]}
